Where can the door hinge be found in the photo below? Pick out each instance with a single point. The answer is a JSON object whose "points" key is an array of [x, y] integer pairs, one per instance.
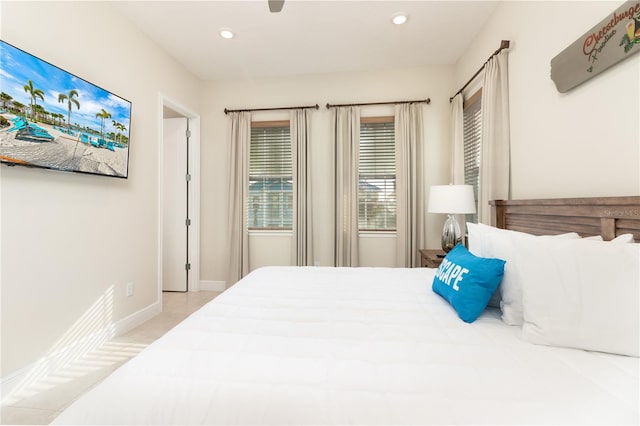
{"points": [[187, 177], [188, 222], [187, 266], [188, 133]]}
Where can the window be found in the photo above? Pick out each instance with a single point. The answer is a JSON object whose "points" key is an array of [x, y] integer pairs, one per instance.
{"points": [[472, 137], [377, 175], [270, 204]]}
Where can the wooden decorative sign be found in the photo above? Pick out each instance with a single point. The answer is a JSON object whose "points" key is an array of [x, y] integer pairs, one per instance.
{"points": [[615, 38]]}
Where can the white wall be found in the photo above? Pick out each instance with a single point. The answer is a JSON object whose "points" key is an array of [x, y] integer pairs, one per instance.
{"points": [[71, 242], [581, 143], [435, 82]]}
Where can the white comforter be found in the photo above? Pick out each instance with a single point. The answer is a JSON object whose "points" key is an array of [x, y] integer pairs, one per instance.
{"points": [[355, 346]]}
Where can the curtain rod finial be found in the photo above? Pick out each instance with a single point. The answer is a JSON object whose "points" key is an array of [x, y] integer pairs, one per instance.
{"points": [[428, 101], [505, 44]]}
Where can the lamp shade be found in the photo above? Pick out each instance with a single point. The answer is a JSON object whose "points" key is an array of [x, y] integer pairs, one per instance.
{"points": [[451, 199]]}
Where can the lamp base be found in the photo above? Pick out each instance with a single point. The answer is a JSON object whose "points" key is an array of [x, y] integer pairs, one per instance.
{"points": [[451, 235]]}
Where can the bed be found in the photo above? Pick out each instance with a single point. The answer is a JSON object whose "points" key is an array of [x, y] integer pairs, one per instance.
{"points": [[320, 345]]}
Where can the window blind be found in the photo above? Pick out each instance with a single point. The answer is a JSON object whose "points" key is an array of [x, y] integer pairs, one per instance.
{"points": [[377, 176], [270, 204], [472, 139]]}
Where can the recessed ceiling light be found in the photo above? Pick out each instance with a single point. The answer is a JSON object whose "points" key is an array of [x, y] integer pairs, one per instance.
{"points": [[226, 33], [399, 18]]}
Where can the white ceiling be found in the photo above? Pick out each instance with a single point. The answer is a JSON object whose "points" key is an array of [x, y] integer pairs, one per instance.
{"points": [[308, 36]]}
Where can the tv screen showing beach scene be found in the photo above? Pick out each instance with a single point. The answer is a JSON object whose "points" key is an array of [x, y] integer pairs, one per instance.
{"points": [[50, 118]]}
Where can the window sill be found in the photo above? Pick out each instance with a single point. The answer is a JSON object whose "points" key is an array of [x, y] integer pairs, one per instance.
{"points": [[377, 234], [270, 232]]}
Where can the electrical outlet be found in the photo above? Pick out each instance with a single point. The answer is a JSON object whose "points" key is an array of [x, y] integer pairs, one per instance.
{"points": [[129, 288]]}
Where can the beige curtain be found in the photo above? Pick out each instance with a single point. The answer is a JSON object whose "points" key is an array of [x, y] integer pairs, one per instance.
{"points": [[410, 219], [457, 153], [495, 148], [346, 138], [238, 238], [457, 137], [302, 218]]}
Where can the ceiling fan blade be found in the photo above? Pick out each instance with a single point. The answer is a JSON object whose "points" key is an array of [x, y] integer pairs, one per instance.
{"points": [[276, 5]]}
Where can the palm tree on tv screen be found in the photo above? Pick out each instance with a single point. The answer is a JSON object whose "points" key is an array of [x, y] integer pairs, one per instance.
{"points": [[71, 100], [34, 94], [120, 128], [103, 115]]}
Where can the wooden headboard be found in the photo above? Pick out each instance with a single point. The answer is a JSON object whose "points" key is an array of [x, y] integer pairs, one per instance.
{"points": [[605, 216]]}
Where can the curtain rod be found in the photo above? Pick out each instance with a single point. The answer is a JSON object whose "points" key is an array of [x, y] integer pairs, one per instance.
{"points": [[226, 111], [427, 101], [503, 45]]}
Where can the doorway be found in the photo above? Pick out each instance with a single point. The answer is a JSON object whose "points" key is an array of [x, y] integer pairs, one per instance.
{"points": [[179, 200]]}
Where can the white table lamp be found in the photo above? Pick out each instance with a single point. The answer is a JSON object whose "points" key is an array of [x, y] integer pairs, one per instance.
{"points": [[451, 200]]}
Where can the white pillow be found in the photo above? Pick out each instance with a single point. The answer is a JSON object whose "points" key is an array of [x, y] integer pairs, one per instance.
{"points": [[488, 241], [581, 294], [622, 239]]}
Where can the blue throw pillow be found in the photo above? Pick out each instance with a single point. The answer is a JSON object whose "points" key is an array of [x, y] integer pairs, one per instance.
{"points": [[467, 281]]}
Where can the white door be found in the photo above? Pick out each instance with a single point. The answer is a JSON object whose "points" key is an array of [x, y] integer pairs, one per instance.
{"points": [[174, 233]]}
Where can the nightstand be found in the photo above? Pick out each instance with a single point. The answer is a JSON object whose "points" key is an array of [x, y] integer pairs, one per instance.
{"points": [[429, 258]]}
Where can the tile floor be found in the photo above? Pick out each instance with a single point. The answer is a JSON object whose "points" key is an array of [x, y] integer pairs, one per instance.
{"points": [[42, 401]]}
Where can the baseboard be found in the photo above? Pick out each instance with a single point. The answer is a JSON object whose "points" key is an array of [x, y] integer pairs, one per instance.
{"points": [[137, 318], [12, 384], [207, 285]]}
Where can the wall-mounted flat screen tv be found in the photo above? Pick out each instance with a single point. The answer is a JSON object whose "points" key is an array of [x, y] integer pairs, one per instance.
{"points": [[52, 119]]}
